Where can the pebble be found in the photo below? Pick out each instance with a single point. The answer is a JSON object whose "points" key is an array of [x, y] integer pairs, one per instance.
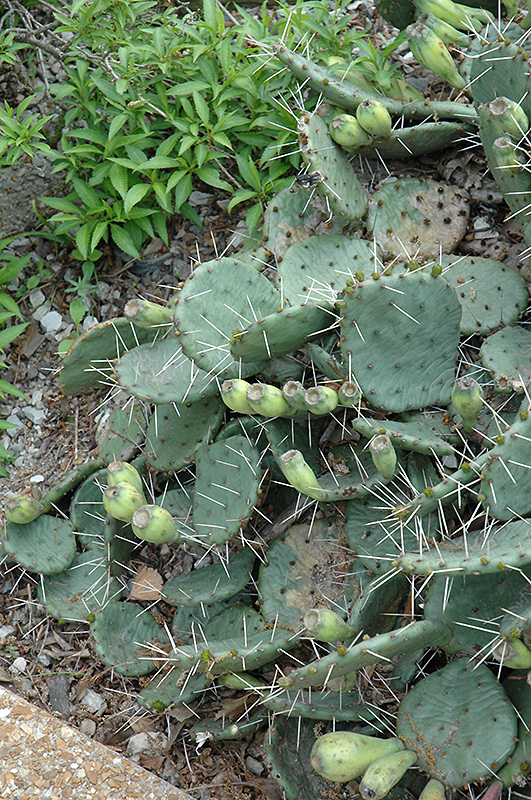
{"points": [[94, 702], [41, 312], [254, 766], [5, 632], [37, 479], [151, 744], [51, 321], [19, 665], [36, 415], [88, 727], [89, 322], [37, 299], [13, 420]]}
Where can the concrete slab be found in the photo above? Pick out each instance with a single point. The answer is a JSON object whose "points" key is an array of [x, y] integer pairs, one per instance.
{"points": [[42, 757]]}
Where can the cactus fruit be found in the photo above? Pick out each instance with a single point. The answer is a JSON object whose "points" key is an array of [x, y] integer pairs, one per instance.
{"points": [[374, 118], [267, 400], [23, 508], [321, 400], [119, 472], [347, 131], [234, 395], [467, 397], [300, 475], [326, 625], [383, 455], [152, 523], [384, 773], [121, 500], [343, 756], [510, 116], [146, 314], [431, 52]]}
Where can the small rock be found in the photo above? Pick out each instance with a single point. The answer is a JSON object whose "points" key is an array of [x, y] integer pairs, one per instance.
{"points": [[254, 766], [199, 198], [43, 659], [88, 727], [37, 479], [94, 702], [89, 322], [5, 632], [19, 666], [37, 298], [150, 744], [13, 420], [51, 322], [36, 415]]}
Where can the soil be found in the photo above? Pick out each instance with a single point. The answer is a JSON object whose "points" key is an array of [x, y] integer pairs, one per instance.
{"points": [[56, 665]]}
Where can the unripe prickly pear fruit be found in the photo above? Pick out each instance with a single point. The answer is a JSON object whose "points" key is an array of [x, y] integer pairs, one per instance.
{"points": [[320, 400], [384, 773], [434, 790], [446, 32], [511, 117], [431, 52], [506, 155], [467, 397], [460, 16], [343, 756], [383, 455], [294, 392], [23, 508], [326, 625], [346, 131], [123, 472], [300, 474], [146, 314], [234, 395], [374, 118], [514, 654], [268, 400], [153, 523], [349, 394], [121, 500]]}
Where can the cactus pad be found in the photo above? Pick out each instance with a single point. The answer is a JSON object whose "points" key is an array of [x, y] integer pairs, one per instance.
{"points": [[121, 434], [506, 474], [399, 335], [211, 584], [444, 719], [507, 356], [126, 637], [46, 545]]}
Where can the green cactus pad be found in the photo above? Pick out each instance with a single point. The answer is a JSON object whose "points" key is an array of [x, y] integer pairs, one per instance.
{"points": [[379, 649], [306, 568], [518, 766], [415, 435], [173, 436], [219, 297], [506, 474], [235, 622], [491, 295], [228, 476], [179, 502], [87, 515], [47, 545], [85, 587], [89, 361], [292, 215], [444, 719], [497, 69], [380, 601], [173, 688], [339, 184], [399, 335], [282, 332], [472, 605], [317, 269], [126, 637], [507, 356], [326, 705], [407, 142], [121, 434], [162, 373], [409, 215], [211, 584], [506, 546]]}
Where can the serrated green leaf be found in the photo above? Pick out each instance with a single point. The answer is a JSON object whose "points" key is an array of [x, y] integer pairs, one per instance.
{"points": [[135, 194], [122, 240]]}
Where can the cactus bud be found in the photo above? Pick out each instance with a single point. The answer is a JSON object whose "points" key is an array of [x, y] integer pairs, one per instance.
{"points": [[234, 395], [384, 773], [506, 156], [23, 508], [434, 790], [343, 756], [374, 118], [123, 472], [293, 391], [320, 400], [511, 116], [459, 16], [349, 394], [467, 397], [446, 32], [383, 455], [300, 475], [431, 52], [513, 653], [121, 500], [326, 625], [146, 314], [346, 131], [268, 401], [154, 524]]}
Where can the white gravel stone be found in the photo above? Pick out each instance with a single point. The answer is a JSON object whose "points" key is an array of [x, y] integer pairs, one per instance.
{"points": [[40, 312], [88, 727], [89, 322], [51, 322], [36, 415], [13, 420], [37, 479], [37, 298], [19, 666], [5, 632], [151, 744], [94, 702]]}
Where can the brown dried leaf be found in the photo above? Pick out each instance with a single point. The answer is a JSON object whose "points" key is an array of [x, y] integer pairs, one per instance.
{"points": [[146, 585]]}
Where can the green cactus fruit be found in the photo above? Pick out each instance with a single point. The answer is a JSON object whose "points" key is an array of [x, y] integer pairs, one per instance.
{"points": [[511, 117], [374, 118], [467, 397], [121, 500], [152, 523], [146, 314], [321, 400], [343, 756], [294, 392], [430, 51], [384, 773], [513, 653], [300, 475], [349, 394], [326, 625], [268, 401], [460, 16], [347, 131], [506, 156], [122, 472], [383, 455], [434, 790], [23, 508], [234, 395], [444, 30]]}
